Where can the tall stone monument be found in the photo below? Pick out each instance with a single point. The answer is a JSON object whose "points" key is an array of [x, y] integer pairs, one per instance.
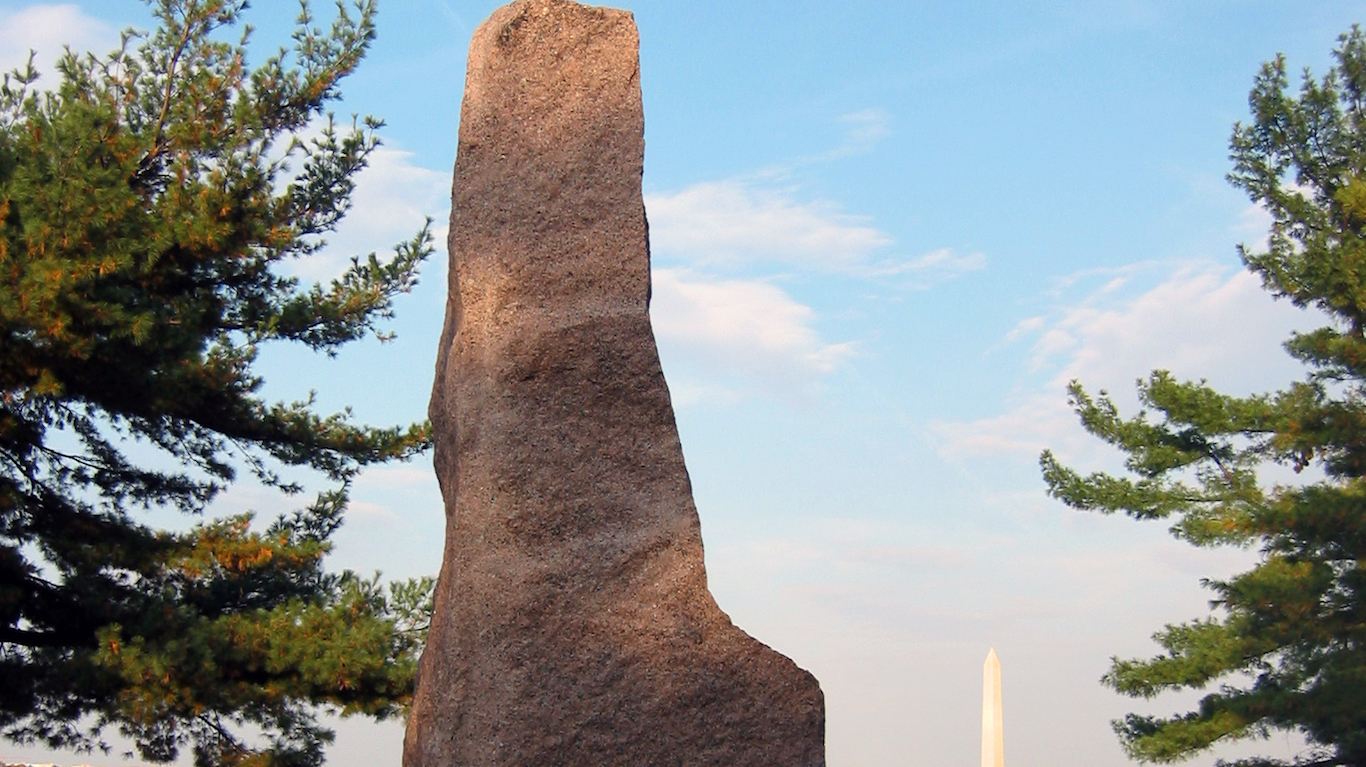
{"points": [[573, 623]]}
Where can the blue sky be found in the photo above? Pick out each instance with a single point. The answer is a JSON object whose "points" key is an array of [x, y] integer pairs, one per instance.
{"points": [[885, 236]]}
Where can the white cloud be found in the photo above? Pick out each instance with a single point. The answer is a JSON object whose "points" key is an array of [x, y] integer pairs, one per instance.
{"points": [[748, 329], [365, 511], [714, 243], [936, 558], [1254, 228], [391, 477], [863, 130], [1023, 327], [726, 223], [45, 29], [932, 268], [1041, 421], [391, 200], [729, 224], [1198, 322]]}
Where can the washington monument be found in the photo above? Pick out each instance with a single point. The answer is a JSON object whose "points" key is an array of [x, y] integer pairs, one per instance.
{"points": [[993, 752]]}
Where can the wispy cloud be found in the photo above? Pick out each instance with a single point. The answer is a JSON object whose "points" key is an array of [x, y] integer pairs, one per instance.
{"points": [[863, 131], [720, 249], [930, 269], [393, 196], [731, 224], [457, 21], [45, 29], [1040, 421], [747, 331], [1254, 227], [726, 223], [1198, 322]]}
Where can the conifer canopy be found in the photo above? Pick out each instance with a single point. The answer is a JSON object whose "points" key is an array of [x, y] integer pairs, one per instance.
{"points": [[148, 202], [1285, 649]]}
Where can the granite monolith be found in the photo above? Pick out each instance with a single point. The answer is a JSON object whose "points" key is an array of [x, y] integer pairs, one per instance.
{"points": [[573, 624]]}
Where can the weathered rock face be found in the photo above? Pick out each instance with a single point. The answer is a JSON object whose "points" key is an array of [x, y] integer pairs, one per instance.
{"points": [[573, 623]]}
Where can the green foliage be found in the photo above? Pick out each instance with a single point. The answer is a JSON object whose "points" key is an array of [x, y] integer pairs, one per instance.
{"points": [[1287, 646], [147, 203]]}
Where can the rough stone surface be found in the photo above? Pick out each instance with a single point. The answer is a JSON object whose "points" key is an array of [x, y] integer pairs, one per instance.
{"points": [[573, 623]]}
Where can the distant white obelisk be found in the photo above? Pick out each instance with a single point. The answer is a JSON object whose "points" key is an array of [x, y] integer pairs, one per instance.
{"points": [[993, 751]]}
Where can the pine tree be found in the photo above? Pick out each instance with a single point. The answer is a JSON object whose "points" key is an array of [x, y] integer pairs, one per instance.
{"points": [[1286, 645], [147, 203]]}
